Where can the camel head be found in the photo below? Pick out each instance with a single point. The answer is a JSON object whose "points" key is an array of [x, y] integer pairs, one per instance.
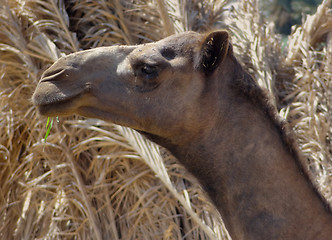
{"points": [[158, 88]]}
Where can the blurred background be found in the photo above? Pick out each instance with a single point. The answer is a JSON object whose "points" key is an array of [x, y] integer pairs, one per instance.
{"points": [[94, 180]]}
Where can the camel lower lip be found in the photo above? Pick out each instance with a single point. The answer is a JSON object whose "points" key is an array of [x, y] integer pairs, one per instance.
{"points": [[57, 108], [49, 110], [50, 106]]}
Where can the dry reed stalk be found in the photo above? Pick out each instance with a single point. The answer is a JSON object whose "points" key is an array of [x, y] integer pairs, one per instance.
{"points": [[313, 29], [167, 22], [309, 94], [255, 43]]}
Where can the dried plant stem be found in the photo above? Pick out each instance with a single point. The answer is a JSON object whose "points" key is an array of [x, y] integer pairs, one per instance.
{"points": [[90, 213], [305, 36], [168, 25], [64, 25]]}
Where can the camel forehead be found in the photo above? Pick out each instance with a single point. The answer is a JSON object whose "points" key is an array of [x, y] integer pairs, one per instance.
{"points": [[183, 44], [181, 40]]}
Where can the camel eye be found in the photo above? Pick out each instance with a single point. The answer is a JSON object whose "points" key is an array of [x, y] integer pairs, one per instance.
{"points": [[149, 70]]}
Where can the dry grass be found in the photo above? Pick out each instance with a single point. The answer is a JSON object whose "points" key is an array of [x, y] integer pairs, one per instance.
{"points": [[94, 180]]}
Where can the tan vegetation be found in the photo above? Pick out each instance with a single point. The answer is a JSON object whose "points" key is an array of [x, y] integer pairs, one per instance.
{"points": [[94, 180]]}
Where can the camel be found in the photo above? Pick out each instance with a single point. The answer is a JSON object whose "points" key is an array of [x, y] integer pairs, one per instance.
{"points": [[189, 94]]}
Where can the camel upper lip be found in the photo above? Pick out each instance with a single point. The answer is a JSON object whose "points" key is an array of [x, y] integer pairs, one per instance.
{"points": [[46, 102], [44, 95]]}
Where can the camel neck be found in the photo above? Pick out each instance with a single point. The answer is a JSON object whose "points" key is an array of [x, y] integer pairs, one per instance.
{"points": [[255, 182]]}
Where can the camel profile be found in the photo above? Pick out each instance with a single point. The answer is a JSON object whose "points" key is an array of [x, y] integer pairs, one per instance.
{"points": [[189, 94]]}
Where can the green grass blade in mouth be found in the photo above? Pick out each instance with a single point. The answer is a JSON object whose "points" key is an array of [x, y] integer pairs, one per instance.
{"points": [[49, 125]]}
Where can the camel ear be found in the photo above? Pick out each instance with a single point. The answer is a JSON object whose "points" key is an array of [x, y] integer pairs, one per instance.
{"points": [[213, 51]]}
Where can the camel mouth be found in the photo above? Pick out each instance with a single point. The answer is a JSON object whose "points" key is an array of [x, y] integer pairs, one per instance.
{"points": [[61, 107], [52, 98], [59, 104]]}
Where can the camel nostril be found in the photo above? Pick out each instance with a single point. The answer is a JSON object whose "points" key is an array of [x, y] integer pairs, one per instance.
{"points": [[49, 75]]}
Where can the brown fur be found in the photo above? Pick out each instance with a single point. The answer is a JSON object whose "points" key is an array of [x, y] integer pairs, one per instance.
{"points": [[189, 94]]}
